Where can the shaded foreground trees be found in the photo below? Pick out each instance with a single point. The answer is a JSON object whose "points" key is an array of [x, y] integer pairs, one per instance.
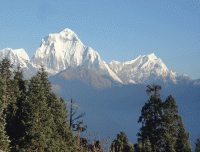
{"points": [[32, 116], [4, 139]]}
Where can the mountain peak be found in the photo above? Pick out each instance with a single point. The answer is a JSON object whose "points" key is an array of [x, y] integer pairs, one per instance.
{"points": [[67, 34], [62, 50], [17, 52], [67, 30], [151, 56]]}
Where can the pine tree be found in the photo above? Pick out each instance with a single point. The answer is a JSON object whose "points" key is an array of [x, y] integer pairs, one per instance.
{"points": [[168, 145], [151, 118], [170, 124], [68, 136], [182, 141], [6, 90], [121, 143], [49, 101], [6, 76], [4, 139], [46, 84], [15, 127], [62, 137], [197, 148], [39, 120], [143, 147]]}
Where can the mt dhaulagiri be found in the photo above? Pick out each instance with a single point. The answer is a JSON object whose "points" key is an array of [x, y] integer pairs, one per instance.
{"points": [[64, 51]]}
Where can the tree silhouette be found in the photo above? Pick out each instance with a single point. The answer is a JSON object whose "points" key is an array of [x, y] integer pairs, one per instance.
{"points": [[151, 119]]}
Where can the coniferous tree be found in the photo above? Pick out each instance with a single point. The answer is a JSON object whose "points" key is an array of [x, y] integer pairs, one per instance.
{"points": [[197, 148], [46, 84], [68, 136], [50, 101], [6, 76], [143, 147], [15, 127], [182, 142], [168, 145], [151, 118], [4, 139], [170, 124], [62, 137], [6, 89], [121, 143], [39, 120]]}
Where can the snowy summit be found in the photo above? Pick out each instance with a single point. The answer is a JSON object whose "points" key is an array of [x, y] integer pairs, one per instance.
{"points": [[63, 50]]}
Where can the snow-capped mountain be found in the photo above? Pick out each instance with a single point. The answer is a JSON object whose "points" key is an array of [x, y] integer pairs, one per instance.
{"points": [[62, 50], [146, 69], [18, 57]]}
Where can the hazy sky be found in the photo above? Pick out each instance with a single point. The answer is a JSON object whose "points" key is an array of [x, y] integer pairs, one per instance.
{"points": [[118, 30]]}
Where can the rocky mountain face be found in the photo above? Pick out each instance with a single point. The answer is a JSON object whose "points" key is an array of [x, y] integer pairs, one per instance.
{"points": [[146, 69], [64, 50]]}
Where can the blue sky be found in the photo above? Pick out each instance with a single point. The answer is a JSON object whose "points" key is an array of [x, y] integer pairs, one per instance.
{"points": [[118, 30]]}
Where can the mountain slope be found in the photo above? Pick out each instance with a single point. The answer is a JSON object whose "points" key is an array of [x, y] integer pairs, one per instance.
{"points": [[86, 75], [18, 57], [62, 50], [146, 69]]}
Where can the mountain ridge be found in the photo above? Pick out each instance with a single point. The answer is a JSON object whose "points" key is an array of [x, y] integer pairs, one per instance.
{"points": [[63, 50]]}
